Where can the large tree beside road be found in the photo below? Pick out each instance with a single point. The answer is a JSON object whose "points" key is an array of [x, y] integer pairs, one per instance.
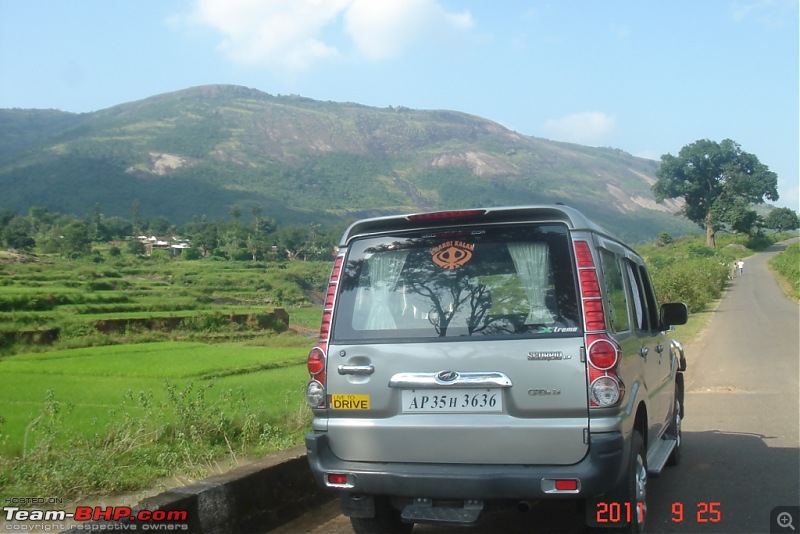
{"points": [[719, 183]]}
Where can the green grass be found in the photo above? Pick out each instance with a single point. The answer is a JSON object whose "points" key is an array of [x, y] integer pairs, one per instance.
{"points": [[49, 292], [309, 317], [97, 413], [94, 381], [787, 265], [107, 419], [152, 360]]}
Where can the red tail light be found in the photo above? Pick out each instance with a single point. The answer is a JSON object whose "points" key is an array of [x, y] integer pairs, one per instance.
{"points": [[583, 254], [590, 287], [603, 353], [316, 389], [566, 485], [330, 297], [316, 361], [593, 317]]}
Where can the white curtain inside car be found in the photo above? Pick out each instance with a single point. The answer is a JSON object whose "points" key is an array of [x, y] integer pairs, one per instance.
{"points": [[532, 262], [384, 270]]}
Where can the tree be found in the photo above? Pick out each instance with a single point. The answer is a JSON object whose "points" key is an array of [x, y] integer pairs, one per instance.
{"points": [[118, 227], [136, 248], [236, 212], [260, 237], [17, 234], [255, 211], [5, 217], [40, 218], [75, 239], [718, 182], [98, 231], [293, 239], [203, 234], [782, 220], [135, 217], [159, 226]]}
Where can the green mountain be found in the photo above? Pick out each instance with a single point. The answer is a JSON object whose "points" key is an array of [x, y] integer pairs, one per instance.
{"points": [[199, 151]]}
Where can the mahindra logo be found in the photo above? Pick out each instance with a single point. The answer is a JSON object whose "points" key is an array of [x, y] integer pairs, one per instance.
{"points": [[447, 376]]}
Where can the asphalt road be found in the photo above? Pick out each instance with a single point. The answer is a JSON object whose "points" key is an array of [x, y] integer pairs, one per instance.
{"points": [[741, 433]]}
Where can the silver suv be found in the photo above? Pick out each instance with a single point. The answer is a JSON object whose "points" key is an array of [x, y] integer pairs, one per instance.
{"points": [[473, 359]]}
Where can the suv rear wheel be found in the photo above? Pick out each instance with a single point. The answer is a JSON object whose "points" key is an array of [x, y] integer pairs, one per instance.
{"points": [[629, 499]]}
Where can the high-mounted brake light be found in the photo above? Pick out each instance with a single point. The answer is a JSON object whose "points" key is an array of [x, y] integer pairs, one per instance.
{"points": [[603, 353], [440, 215]]}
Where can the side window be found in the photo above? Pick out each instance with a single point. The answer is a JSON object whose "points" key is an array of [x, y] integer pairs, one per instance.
{"points": [[646, 313], [650, 297], [615, 292]]}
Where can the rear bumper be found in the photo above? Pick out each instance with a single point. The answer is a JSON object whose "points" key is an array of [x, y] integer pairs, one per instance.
{"points": [[598, 472]]}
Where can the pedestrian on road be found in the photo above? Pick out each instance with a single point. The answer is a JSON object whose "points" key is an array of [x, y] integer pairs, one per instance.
{"points": [[740, 266]]}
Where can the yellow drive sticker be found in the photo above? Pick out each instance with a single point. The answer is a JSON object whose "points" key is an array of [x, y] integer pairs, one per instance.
{"points": [[350, 402]]}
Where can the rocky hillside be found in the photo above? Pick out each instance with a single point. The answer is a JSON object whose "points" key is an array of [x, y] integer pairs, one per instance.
{"points": [[199, 151]]}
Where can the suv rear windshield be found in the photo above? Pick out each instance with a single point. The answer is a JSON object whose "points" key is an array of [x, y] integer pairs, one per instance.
{"points": [[495, 281]]}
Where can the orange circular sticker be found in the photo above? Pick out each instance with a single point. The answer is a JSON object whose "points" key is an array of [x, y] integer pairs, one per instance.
{"points": [[452, 255]]}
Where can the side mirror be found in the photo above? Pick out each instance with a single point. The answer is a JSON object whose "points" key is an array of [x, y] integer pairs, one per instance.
{"points": [[673, 313]]}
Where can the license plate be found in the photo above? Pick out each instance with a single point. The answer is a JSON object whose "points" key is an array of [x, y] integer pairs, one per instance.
{"points": [[453, 400]]}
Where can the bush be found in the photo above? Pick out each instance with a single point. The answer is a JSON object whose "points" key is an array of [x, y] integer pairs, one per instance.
{"points": [[191, 254], [186, 433], [787, 263], [136, 248], [160, 255], [696, 281], [206, 322], [688, 271]]}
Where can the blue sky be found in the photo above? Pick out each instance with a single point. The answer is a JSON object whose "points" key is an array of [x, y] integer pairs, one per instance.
{"points": [[644, 76]]}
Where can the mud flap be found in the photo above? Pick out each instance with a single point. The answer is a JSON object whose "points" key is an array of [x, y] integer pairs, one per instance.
{"points": [[354, 505]]}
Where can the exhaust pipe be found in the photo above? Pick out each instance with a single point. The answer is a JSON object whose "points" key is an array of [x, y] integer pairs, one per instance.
{"points": [[524, 507]]}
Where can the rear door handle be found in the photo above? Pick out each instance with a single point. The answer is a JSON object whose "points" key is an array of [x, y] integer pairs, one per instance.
{"points": [[643, 352], [356, 369]]}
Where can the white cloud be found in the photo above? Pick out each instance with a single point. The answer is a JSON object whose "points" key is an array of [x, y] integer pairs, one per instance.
{"points": [[278, 32], [289, 33], [589, 128], [382, 29], [769, 12]]}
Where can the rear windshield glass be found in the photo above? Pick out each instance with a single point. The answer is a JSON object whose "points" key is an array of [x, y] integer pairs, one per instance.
{"points": [[498, 281]]}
